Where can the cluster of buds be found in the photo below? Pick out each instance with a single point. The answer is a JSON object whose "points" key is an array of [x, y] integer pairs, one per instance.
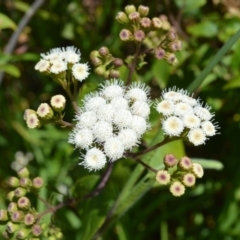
{"points": [[51, 232], [105, 64], [20, 217], [179, 174], [45, 112]]}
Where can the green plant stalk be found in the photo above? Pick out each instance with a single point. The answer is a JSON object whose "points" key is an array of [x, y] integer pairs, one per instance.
{"points": [[198, 81]]}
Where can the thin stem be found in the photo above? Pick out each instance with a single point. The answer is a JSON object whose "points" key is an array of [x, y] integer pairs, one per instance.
{"points": [[69, 93], [144, 164], [45, 202], [64, 123]]}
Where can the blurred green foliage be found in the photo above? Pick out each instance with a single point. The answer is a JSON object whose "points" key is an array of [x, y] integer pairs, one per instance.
{"points": [[211, 210]]}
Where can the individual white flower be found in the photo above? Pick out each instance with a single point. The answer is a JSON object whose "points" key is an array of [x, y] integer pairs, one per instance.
{"points": [[58, 67], [51, 54], [196, 136], [172, 95], [203, 113], [56, 58], [42, 65], [72, 54], [128, 138], [113, 148], [119, 102], [32, 121], [140, 109], [189, 100], [112, 89], [58, 102], [106, 112], [182, 109], [166, 107], [173, 126], [86, 119], [102, 131], [208, 128], [92, 103], [191, 121], [80, 71], [94, 159], [138, 92], [44, 111], [197, 170], [122, 118], [82, 138], [139, 125]]}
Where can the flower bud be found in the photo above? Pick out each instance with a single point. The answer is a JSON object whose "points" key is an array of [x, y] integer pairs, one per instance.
{"points": [[178, 45], [17, 216], [122, 18], [103, 51], [159, 53], [189, 180], [114, 73], [171, 36], [106, 74], [44, 111], [171, 58], [163, 177], [185, 163], [146, 23], [37, 183], [139, 35], [27, 113], [36, 230], [24, 203], [134, 16], [94, 54], [20, 192], [173, 46], [59, 235], [129, 9], [33, 121], [177, 189], [12, 207], [125, 35], [12, 227], [6, 235], [13, 182], [100, 70], [23, 173], [52, 238], [197, 170], [117, 62], [29, 219], [3, 215], [143, 10], [58, 103], [25, 182], [156, 23], [23, 233], [97, 61], [169, 160], [11, 195]]}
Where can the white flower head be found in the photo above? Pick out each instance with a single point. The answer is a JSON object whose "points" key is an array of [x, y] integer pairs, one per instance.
{"points": [[80, 71], [112, 89], [102, 131], [113, 148], [82, 138], [182, 109], [51, 54], [42, 65], [203, 112], [119, 103], [93, 102], [197, 136], [106, 112], [166, 107], [172, 126], [58, 102], [58, 67], [141, 109], [32, 121], [139, 125], [172, 94], [128, 137], [208, 128], [86, 119], [122, 118], [94, 159], [138, 92], [191, 121], [71, 54]]}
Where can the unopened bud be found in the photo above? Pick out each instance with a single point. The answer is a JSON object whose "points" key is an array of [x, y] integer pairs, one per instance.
{"points": [[178, 45], [163, 177], [106, 74], [103, 51], [143, 10], [24, 203], [25, 182], [6, 235], [94, 54], [169, 160], [23, 233], [12, 207], [3, 215], [29, 219], [171, 58], [189, 180], [117, 62], [17, 216], [33, 121], [173, 46], [125, 35], [114, 73], [27, 113], [146, 23], [36, 230], [122, 18], [97, 61], [159, 53], [177, 189], [23, 173], [156, 23], [11, 195], [185, 163], [13, 182], [134, 16], [44, 111], [59, 235], [58, 103], [129, 9], [197, 170], [12, 227], [37, 183], [139, 35], [20, 192], [171, 36]]}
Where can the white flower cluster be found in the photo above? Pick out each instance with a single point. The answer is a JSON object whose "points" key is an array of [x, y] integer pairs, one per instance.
{"points": [[111, 122], [186, 116], [58, 60]]}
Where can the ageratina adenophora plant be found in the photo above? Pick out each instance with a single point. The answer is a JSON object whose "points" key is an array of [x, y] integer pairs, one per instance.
{"points": [[109, 123]]}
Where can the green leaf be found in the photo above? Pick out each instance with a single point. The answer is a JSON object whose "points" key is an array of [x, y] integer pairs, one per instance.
{"points": [[204, 29], [234, 83], [209, 163], [10, 69], [6, 22], [188, 6]]}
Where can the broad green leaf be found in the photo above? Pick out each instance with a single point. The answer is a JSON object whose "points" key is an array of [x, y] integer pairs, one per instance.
{"points": [[11, 70], [6, 22], [189, 5], [209, 163], [160, 72], [204, 29]]}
